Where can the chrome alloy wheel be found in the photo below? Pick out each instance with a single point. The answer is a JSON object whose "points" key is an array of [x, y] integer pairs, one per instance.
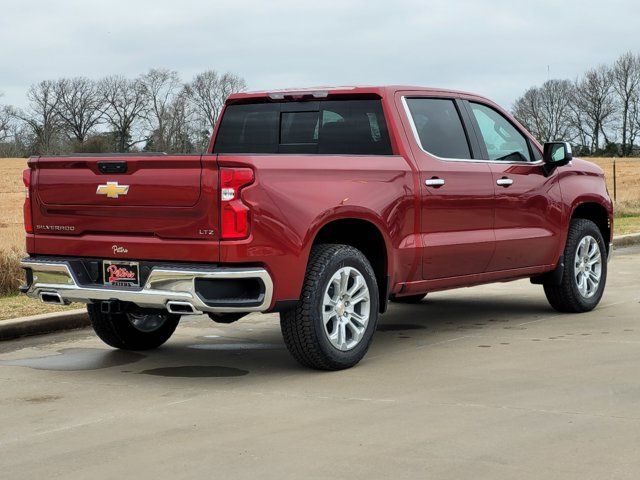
{"points": [[146, 322], [587, 266], [345, 308]]}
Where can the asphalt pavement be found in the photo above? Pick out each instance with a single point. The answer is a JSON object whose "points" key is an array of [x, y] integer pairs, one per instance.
{"points": [[484, 382]]}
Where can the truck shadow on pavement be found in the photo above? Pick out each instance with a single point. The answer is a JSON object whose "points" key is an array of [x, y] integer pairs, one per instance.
{"points": [[262, 352]]}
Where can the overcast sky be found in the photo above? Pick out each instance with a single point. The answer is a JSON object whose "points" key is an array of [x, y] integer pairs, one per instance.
{"points": [[496, 48]]}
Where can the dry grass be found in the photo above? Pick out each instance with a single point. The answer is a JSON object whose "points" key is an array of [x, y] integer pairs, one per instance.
{"points": [[12, 275], [11, 201], [15, 306], [627, 183], [11, 228]]}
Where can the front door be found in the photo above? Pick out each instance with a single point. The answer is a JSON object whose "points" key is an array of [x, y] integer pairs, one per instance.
{"points": [[527, 203], [456, 191]]}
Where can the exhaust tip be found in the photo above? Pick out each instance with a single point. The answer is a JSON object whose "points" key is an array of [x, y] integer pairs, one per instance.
{"points": [[51, 297], [182, 308]]}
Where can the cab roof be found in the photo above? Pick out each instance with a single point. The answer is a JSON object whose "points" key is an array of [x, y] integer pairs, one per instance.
{"points": [[325, 91]]}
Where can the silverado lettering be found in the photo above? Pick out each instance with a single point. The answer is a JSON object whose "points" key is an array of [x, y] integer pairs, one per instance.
{"points": [[323, 205]]}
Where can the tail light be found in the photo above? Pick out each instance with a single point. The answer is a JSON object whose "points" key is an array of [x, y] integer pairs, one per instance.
{"points": [[28, 221], [234, 213]]}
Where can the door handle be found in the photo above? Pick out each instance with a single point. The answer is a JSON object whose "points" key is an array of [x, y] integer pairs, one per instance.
{"points": [[434, 182], [504, 182]]}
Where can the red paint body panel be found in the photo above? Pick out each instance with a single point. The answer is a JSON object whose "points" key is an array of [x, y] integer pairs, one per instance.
{"points": [[295, 195], [528, 218], [467, 232]]}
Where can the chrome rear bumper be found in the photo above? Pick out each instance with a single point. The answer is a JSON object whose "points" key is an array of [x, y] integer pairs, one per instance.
{"points": [[164, 287]]}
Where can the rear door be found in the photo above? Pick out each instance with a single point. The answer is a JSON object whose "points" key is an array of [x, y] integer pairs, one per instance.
{"points": [[456, 190], [527, 203]]}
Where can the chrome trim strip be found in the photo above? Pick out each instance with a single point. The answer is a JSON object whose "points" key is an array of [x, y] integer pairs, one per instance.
{"points": [[445, 159], [172, 303], [162, 286]]}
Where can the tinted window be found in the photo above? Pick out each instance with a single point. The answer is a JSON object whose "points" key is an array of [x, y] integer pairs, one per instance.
{"points": [[501, 138], [439, 127], [331, 127], [249, 128]]}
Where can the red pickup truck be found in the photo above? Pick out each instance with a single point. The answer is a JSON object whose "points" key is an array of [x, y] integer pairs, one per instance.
{"points": [[322, 205]]}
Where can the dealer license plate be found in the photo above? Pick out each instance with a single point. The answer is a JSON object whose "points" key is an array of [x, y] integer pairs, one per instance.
{"points": [[121, 274]]}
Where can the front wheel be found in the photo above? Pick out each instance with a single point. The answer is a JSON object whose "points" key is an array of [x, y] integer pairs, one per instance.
{"points": [[135, 329], [585, 270], [332, 325]]}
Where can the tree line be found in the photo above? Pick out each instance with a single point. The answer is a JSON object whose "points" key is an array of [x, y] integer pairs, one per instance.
{"points": [[599, 112], [155, 111]]}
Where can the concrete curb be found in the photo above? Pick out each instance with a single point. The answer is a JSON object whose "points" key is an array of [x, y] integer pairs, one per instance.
{"points": [[626, 240], [53, 322], [44, 323]]}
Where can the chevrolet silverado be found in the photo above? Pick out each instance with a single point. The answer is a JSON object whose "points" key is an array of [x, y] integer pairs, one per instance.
{"points": [[320, 204]]}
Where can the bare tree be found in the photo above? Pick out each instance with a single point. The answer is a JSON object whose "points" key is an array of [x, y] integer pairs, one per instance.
{"points": [[5, 123], [626, 83], [125, 105], [6, 120], [180, 132], [545, 111], [41, 116], [161, 87], [633, 122], [593, 104], [80, 106], [208, 91]]}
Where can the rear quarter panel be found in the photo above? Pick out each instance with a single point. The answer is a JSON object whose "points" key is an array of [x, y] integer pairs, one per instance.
{"points": [[294, 196]]}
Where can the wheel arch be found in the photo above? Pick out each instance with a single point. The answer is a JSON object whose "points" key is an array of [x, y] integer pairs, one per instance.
{"points": [[598, 214], [365, 234]]}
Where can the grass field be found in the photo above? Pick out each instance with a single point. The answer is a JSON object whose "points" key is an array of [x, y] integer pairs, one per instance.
{"points": [[12, 199]]}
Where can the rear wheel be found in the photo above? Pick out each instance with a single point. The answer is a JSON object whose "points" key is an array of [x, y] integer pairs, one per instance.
{"points": [[332, 325], [585, 270], [408, 298], [136, 329]]}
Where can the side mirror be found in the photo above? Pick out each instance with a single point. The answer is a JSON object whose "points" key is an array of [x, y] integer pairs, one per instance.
{"points": [[556, 154]]}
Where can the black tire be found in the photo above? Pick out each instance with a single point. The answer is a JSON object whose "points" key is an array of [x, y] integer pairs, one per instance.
{"points": [[118, 331], [565, 296], [303, 327], [408, 298]]}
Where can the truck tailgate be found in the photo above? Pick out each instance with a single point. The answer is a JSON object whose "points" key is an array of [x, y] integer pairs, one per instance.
{"points": [[166, 181], [86, 203]]}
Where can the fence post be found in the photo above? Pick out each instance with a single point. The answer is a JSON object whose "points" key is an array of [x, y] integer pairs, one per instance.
{"points": [[614, 180]]}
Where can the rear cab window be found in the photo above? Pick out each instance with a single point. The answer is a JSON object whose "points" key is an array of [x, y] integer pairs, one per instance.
{"points": [[347, 127]]}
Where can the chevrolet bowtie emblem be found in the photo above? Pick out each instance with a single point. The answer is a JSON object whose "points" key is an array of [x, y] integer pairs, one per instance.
{"points": [[112, 189]]}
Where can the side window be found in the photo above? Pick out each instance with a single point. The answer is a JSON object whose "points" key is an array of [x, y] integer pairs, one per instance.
{"points": [[439, 127], [353, 127], [502, 139]]}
